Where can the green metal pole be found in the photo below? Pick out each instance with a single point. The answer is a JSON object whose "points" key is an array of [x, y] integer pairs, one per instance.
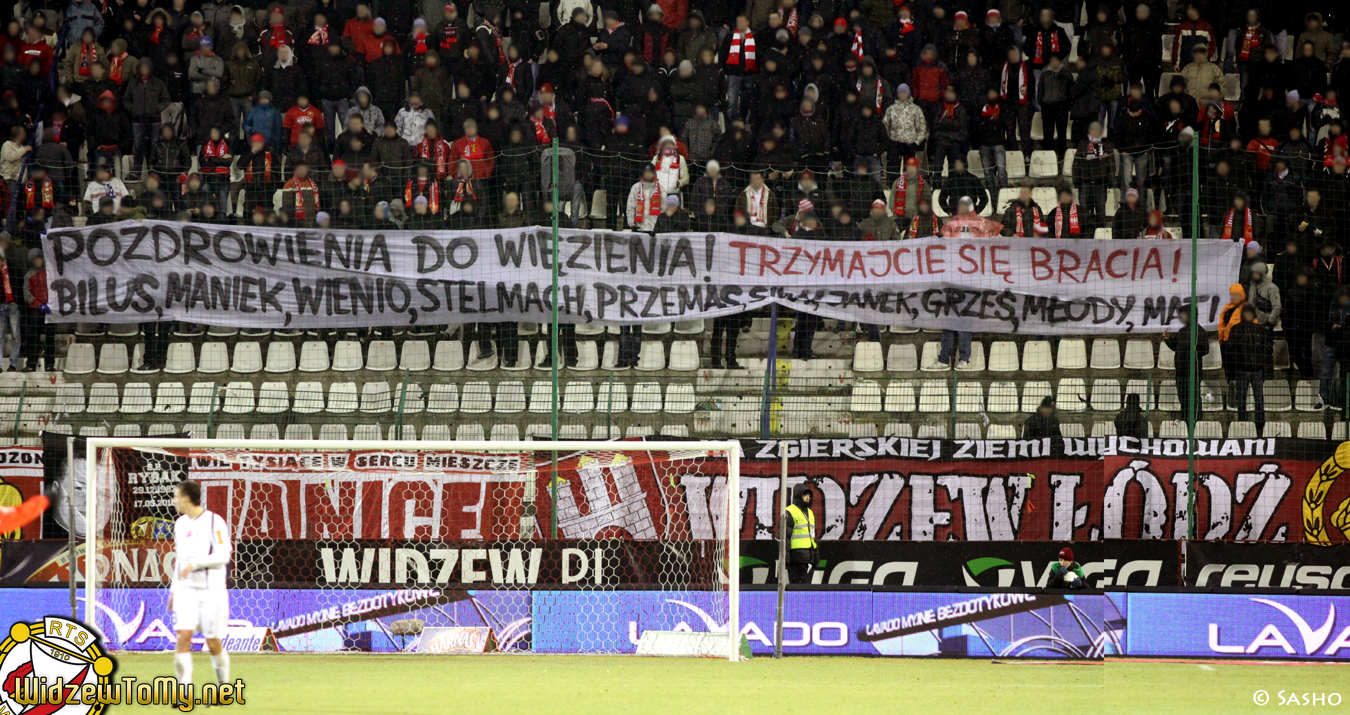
{"points": [[1193, 398], [402, 401], [553, 347]]}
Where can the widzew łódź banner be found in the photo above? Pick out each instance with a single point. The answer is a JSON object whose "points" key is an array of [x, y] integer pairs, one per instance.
{"points": [[876, 488], [146, 271]]}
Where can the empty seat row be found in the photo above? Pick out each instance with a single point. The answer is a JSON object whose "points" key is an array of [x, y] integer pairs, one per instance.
{"points": [[1034, 356], [247, 357], [337, 432]]}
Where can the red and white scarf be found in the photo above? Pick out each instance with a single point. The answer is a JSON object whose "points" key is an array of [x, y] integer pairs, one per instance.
{"points": [[266, 172], [757, 205], [924, 226], [742, 44], [320, 36], [1095, 149], [879, 91], [906, 25], [4, 276], [511, 68], [462, 187], [450, 35], [901, 193], [427, 187], [155, 33], [857, 48], [278, 38], [1158, 232], [1251, 39], [216, 150], [420, 44], [1023, 85], [440, 152], [35, 196], [301, 186], [1246, 226], [88, 56], [1040, 45], [496, 38], [790, 19], [648, 204], [991, 111], [1019, 223], [540, 130], [1074, 226], [115, 67], [949, 109]]}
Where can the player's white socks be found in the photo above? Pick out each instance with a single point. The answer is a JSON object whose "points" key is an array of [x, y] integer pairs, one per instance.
{"points": [[182, 667], [222, 665]]}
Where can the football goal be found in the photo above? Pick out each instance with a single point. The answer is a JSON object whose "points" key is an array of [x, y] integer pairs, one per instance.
{"points": [[398, 546]]}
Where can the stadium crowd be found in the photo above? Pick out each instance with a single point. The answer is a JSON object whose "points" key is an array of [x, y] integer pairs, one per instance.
{"points": [[836, 119]]}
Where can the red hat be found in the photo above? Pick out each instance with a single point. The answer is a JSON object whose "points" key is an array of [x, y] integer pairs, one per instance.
{"points": [[546, 87], [807, 173], [878, 202], [992, 12], [912, 161], [840, 22], [450, 6], [1066, 553], [258, 138], [962, 15], [339, 162], [805, 205]]}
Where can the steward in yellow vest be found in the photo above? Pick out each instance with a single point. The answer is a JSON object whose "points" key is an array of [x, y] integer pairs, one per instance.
{"points": [[801, 523]]}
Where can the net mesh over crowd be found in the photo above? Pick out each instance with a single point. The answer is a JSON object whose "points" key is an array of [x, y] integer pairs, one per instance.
{"points": [[374, 550]]}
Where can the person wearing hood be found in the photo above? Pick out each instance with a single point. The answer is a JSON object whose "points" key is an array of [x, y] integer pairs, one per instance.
{"points": [[615, 38], [363, 106], [573, 38], [1044, 422], [799, 525], [949, 134], [237, 28], [1229, 316], [285, 79], [262, 170], [1249, 352], [1131, 216], [145, 97], [1141, 47], [672, 170], [1324, 43], [872, 88], [110, 132], [433, 83], [205, 65], [392, 153], [929, 78], [450, 34], [1131, 421], [83, 15], [265, 119], [1263, 295], [695, 37]]}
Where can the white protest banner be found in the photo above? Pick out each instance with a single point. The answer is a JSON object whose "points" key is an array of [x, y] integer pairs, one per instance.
{"points": [[143, 271]]}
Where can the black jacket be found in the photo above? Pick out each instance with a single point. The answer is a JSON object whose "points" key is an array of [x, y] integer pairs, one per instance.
{"points": [[1131, 421], [1249, 349], [1180, 343]]}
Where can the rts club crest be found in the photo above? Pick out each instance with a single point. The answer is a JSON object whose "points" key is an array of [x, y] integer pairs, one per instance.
{"points": [[40, 654]]}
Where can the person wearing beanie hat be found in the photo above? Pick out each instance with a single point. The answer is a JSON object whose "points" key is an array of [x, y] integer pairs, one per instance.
{"points": [[673, 218], [262, 169], [996, 38], [1131, 216], [1065, 572], [323, 220], [928, 79]]}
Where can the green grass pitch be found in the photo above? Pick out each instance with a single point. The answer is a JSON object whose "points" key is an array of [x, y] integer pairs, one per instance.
{"points": [[365, 684]]}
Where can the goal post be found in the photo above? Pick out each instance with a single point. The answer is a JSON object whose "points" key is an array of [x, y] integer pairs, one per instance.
{"points": [[441, 535]]}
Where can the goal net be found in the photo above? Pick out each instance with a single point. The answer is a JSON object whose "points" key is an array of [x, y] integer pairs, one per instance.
{"points": [[538, 547]]}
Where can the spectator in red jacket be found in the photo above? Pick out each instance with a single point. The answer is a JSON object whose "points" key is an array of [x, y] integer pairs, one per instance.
{"points": [[34, 47], [929, 77], [675, 12], [476, 149], [359, 31], [302, 115]]}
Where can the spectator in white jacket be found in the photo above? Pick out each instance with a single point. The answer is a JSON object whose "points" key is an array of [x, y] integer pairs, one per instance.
{"points": [[412, 119], [12, 154], [672, 170], [645, 201]]}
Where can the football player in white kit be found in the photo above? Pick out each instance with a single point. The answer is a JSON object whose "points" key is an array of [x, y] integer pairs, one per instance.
{"points": [[197, 597]]}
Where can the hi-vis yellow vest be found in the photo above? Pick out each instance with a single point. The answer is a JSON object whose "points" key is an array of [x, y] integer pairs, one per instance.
{"points": [[803, 528]]}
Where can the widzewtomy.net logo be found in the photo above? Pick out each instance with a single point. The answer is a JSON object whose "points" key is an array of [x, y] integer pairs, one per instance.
{"points": [[59, 667]]}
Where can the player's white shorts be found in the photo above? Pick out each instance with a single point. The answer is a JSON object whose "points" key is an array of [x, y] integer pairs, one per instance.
{"points": [[204, 610]]}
